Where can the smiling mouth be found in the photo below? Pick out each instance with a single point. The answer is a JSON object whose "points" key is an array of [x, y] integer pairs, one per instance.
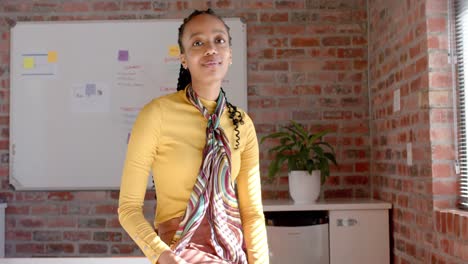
{"points": [[211, 63]]}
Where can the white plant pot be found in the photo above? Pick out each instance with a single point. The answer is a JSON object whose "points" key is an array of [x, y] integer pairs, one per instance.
{"points": [[304, 187]]}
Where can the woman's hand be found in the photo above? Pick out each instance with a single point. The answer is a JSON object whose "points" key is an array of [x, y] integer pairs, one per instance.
{"points": [[168, 257]]}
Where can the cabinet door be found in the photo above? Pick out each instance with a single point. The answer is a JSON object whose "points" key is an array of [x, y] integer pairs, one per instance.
{"points": [[359, 237]]}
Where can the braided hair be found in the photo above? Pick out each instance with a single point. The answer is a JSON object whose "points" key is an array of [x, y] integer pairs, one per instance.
{"points": [[185, 78]]}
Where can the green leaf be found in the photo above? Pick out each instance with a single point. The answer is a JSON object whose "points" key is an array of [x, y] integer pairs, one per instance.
{"points": [[274, 135]]}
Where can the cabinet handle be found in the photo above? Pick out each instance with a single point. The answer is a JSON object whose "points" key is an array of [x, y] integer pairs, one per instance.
{"points": [[346, 222]]}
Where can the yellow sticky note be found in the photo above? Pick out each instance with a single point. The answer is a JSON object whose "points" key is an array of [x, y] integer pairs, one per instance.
{"points": [[174, 51], [28, 62], [52, 56]]}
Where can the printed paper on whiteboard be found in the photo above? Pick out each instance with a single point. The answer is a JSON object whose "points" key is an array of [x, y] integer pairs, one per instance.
{"points": [[39, 64], [90, 98]]}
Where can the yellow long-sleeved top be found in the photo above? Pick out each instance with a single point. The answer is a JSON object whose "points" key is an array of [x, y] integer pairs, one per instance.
{"points": [[168, 137]]}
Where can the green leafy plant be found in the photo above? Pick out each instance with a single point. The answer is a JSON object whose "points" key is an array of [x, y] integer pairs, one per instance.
{"points": [[301, 150]]}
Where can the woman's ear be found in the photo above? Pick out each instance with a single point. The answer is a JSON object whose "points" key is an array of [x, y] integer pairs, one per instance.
{"points": [[183, 61]]}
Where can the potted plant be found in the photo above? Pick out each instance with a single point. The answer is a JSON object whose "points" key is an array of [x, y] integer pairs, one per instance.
{"points": [[308, 158]]}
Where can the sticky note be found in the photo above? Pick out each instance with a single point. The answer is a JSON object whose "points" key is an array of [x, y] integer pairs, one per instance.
{"points": [[174, 51], [52, 56], [28, 62], [123, 55]]}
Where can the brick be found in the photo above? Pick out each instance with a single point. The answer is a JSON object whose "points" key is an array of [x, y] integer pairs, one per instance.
{"points": [[337, 115], [17, 210], [273, 116], [47, 7], [464, 227], [307, 89], [91, 196], [442, 170], [107, 236], [75, 209], [305, 42], [338, 193], [61, 221], [261, 103], [16, 7], [277, 42], [136, 5], [76, 235], [335, 16], [290, 53], [261, 4], [305, 115], [31, 222], [115, 223], [323, 53], [18, 235], [356, 180], [261, 54], [337, 65], [106, 209], [93, 248], [304, 17], [438, 60], [60, 196], [268, 90], [359, 64], [436, 24], [275, 66], [47, 235], [444, 152], [92, 222], [161, 5], [289, 4], [106, 6], [45, 210], [30, 248], [359, 41], [436, 6], [306, 66], [350, 53], [69, 6], [336, 41], [274, 17], [321, 29], [362, 167], [450, 223], [59, 248], [444, 187], [260, 30], [260, 77]]}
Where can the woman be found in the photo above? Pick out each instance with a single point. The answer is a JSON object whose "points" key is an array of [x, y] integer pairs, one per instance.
{"points": [[203, 152]]}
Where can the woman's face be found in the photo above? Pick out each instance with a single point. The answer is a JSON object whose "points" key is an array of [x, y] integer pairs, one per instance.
{"points": [[207, 54]]}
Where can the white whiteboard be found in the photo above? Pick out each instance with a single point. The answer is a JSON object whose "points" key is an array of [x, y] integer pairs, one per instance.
{"points": [[76, 88]]}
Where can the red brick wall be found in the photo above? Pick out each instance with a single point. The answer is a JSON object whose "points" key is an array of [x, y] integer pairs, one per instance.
{"points": [[307, 60], [408, 47]]}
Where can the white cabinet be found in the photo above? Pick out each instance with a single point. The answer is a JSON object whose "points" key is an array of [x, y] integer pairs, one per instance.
{"points": [[358, 230], [359, 237]]}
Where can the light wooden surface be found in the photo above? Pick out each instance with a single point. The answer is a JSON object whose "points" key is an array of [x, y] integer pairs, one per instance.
{"points": [[333, 204]]}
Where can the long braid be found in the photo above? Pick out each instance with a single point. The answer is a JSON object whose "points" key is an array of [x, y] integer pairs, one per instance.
{"points": [[236, 117], [184, 78]]}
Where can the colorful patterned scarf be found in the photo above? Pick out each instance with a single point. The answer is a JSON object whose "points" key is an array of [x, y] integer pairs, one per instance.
{"points": [[213, 195]]}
